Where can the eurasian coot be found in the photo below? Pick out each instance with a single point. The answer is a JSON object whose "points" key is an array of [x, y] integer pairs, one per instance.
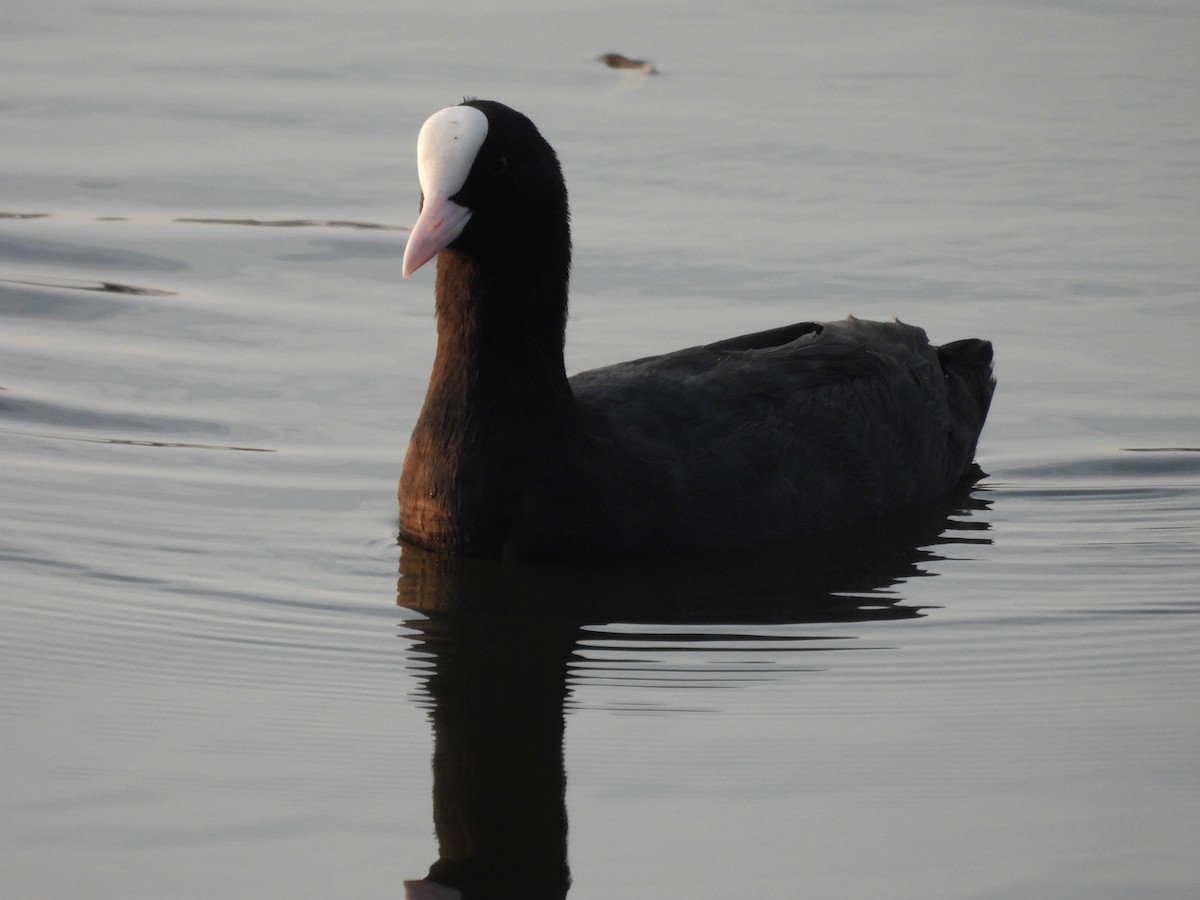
{"points": [[759, 438]]}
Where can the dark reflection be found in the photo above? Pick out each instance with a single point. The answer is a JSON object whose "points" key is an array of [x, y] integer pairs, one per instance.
{"points": [[497, 641], [497, 686]]}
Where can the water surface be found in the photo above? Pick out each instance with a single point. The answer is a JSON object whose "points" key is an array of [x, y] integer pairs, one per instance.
{"points": [[209, 367]]}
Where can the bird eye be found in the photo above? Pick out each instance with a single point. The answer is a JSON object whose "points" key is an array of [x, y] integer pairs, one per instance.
{"points": [[500, 164]]}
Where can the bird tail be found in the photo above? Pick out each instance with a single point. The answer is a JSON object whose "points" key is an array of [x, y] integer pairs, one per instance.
{"points": [[967, 367], [969, 362]]}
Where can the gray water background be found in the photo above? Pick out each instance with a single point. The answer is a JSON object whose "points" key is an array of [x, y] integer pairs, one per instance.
{"points": [[206, 686]]}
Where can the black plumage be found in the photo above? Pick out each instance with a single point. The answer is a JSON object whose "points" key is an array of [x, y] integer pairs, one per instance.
{"points": [[757, 438]]}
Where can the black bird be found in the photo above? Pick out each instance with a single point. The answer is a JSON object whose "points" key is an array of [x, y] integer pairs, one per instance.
{"points": [[759, 438]]}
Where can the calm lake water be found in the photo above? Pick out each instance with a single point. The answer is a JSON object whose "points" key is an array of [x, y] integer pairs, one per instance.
{"points": [[219, 675]]}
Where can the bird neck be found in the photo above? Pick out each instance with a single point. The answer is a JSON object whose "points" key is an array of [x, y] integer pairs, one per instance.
{"points": [[498, 402], [500, 340]]}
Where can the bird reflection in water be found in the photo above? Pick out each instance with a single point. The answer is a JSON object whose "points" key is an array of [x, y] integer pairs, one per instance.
{"points": [[496, 642]]}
